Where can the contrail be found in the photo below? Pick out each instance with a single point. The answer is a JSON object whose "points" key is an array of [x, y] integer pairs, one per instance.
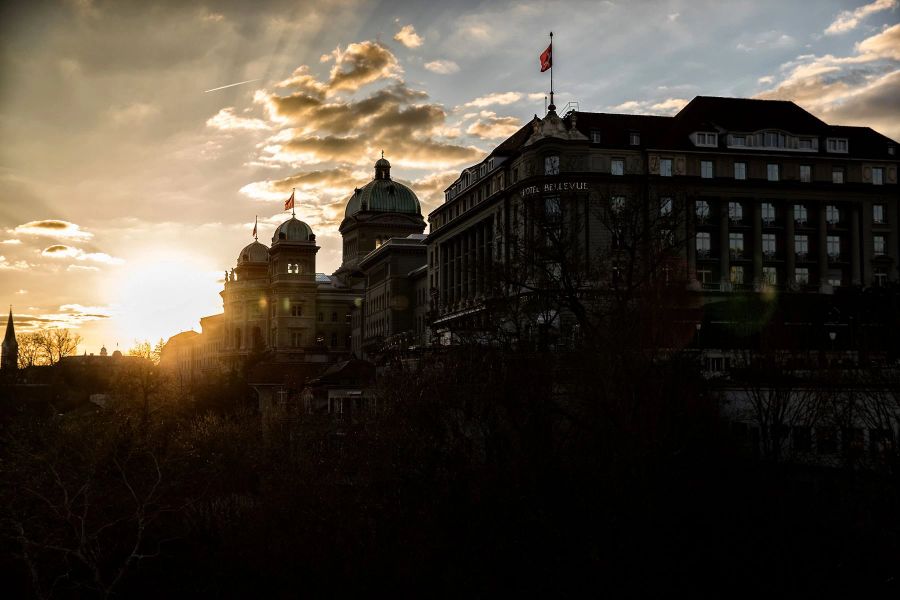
{"points": [[230, 85]]}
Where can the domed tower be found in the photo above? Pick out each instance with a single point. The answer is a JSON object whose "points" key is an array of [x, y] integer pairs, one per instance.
{"points": [[292, 290], [246, 301], [376, 212]]}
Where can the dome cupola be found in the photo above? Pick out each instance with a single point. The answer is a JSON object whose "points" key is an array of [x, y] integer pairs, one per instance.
{"points": [[253, 253], [293, 230], [383, 194]]}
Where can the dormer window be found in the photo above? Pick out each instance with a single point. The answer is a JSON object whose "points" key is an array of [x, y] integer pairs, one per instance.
{"points": [[837, 145], [634, 138], [706, 139], [738, 140], [595, 136]]}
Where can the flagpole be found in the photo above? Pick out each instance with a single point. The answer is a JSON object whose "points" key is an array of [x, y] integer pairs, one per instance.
{"points": [[294, 201], [552, 104]]}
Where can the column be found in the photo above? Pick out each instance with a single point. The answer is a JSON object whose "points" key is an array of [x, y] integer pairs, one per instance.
{"points": [[757, 244], [724, 248], [855, 259], [790, 256], [823, 251]]}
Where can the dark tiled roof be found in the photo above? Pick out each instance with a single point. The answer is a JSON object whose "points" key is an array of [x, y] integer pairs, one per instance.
{"points": [[745, 114], [615, 129], [512, 144]]}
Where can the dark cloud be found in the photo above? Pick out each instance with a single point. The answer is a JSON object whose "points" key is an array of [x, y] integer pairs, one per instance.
{"points": [[359, 64], [53, 228]]}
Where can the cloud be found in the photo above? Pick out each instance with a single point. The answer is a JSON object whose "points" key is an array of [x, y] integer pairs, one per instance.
{"points": [[359, 64], [327, 182], [852, 90], [67, 316], [674, 16], [430, 189], [490, 126], [21, 292], [77, 268], [442, 67], [61, 251], [408, 37], [766, 41], [133, 113], [53, 228], [226, 120], [12, 242], [669, 106], [848, 20], [501, 98], [19, 265]]}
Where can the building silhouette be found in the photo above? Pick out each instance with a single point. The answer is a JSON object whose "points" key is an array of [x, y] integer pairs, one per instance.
{"points": [[9, 353]]}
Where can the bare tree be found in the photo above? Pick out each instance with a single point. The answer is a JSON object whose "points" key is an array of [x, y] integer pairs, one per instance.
{"points": [[58, 343], [31, 350], [145, 349]]}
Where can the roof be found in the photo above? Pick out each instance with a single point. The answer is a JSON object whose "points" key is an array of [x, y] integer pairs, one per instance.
{"points": [[383, 194], [253, 253], [293, 230], [353, 371]]}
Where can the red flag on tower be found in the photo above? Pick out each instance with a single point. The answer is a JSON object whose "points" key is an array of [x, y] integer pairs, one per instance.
{"points": [[547, 58], [255, 222], [289, 203]]}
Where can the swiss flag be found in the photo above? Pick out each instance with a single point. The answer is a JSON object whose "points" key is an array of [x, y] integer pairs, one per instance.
{"points": [[289, 203], [547, 58]]}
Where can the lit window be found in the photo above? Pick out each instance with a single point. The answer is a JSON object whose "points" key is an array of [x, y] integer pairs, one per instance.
{"points": [[634, 138], [618, 166], [551, 165], [706, 169], [878, 176], [665, 207], [735, 212], [737, 275], [801, 245], [665, 167], [800, 214], [770, 275], [878, 213], [736, 244], [837, 144], [801, 275], [768, 213], [878, 245], [740, 170], [768, 244], [703, 240], [701, 209], [832, 214], [772, 172], [805, 173], [833, 245], [837, 175]]}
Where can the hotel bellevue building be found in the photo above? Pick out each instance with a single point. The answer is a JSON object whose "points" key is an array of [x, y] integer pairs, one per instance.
{"points": [[755, 195]]}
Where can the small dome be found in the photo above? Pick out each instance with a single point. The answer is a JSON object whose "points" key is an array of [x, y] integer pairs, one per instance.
{"points": [[293, 230], [383, 194], [103, 350], [253, 253], [117, 354]]}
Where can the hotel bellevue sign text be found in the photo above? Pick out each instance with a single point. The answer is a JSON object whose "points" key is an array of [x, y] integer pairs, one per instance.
{"points": [[549, 188]]}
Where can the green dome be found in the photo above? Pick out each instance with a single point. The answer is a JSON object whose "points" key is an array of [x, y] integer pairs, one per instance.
{"points": [[293, 230], [382, 194]]}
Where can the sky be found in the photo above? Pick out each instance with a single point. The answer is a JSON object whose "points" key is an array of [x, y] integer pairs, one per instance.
{"points": [[139, 140]]}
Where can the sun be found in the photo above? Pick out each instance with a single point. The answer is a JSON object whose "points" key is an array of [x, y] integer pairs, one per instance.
{"points": [[160, 297]]}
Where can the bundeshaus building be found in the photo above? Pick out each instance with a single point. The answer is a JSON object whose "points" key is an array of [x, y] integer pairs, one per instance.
{"points": [[757, 194]]}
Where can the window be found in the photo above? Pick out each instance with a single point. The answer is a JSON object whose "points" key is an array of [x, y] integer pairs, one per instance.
{"points": [[634, 138], [701, 209], [703, 244], [834, 278], [878, 213], [735, 212], [296, 310], [800, 214], [837, 145], [772, 172], [877, 176], [740, 170], [770, 275], [617, 203], [738, 140], [617, 166], [551, 165], [801, 275], [837, 175], [801, 245], [737, 275], [707, 139], [552, 209], [334, 317], [595, 136], [878, 245], [294, 268], [665, 207], [320, 318], [706, 169], [880, 277], [768, 244], [805, 173], [334, 340], [805, 144], [768, 213], [833, 245], [296, 338], [665, 167], [736, 244], [832, 214], [704, 275]]}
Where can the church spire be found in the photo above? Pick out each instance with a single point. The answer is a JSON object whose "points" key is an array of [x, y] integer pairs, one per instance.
{"points": [[9, 353]]}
